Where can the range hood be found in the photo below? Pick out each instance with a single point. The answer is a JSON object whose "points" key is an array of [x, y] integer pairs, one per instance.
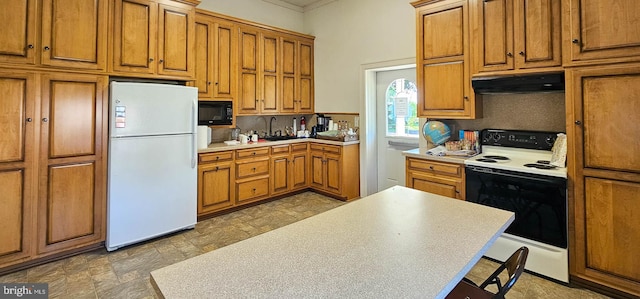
{"points": [[550, 82]]}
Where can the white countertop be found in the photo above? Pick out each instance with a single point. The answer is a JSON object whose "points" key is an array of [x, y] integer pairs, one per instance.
{"points": [[396, 243], [422, 154], [216, 147]]}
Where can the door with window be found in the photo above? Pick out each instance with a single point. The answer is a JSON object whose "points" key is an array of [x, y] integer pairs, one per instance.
{"points": [[397, 123]]}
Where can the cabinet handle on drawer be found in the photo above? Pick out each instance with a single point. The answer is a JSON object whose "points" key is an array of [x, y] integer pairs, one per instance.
{"points": [[217, 168], [254, 153], [253, 169], [431, 167], [253, 190]]}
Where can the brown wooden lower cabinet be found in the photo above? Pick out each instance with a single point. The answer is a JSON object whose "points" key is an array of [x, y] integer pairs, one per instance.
{"points": [[229, 179], [54, 199], [446, 179]]}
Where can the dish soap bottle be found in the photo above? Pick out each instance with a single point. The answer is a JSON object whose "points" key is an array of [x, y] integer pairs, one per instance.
{"points": [[303, 124]]}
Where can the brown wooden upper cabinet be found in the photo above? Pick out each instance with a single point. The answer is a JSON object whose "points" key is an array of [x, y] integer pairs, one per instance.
{"points": [[443, 60], [154, 38], [73, 33], [599, 31], [516, 34], [216, 58], [297, 75]]}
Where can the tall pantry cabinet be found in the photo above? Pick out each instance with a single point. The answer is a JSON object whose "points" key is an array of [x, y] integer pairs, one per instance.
{"points": [[51, 163], [602, 61]]}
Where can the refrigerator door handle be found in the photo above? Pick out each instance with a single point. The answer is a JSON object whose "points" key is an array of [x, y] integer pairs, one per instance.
{"points": [[194, 140]]}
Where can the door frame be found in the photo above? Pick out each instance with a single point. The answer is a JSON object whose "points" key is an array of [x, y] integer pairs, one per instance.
{"points": [[367, 122]]}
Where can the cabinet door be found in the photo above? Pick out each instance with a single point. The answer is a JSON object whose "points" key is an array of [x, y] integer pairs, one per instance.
{"points": [[204, 58], [176, 35], [299, 170], [608, 99], [317, 170], [495, 35], [600, 30], [18, 31], [269, 73], [248, 83], [72, 170], [334, 173], [16, 166], [280, 174], [134, 44], [443, 64], [437, 185], [289, 65], [215, 187], [225, 49], [537, 29], [305, 82], [608, 235], [74, 33]]}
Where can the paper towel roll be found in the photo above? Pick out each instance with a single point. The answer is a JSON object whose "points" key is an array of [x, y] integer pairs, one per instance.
{"points": [[203, 138]]}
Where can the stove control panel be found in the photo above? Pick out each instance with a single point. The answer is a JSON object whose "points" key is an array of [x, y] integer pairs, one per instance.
{"points": [[522, 139]]}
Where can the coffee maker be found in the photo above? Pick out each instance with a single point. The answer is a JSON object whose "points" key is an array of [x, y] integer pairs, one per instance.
{"points": [[322, 123]]}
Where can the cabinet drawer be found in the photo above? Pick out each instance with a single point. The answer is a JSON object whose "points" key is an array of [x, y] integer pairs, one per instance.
{"points": [[300, 147], [215, 157], [253, 152], [252, 168], [280, 149], [253, 189], [435, 167], [326, 148]]}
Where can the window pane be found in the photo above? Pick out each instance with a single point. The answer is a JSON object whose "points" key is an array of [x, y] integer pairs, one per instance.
{"points": [[402, 101]]}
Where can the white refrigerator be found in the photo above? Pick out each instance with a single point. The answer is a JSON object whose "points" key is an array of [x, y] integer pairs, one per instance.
{"points": [[152, 161]]}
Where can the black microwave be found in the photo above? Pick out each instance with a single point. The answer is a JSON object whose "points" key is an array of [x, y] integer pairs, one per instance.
{"points": [[215, 113]]}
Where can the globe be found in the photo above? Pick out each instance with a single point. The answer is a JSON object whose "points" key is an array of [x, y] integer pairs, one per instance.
{"points": [[436, 132]]}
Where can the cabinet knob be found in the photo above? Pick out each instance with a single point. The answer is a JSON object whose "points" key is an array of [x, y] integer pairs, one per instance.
{"points": [[253, 169], [253, 190], [46, 48], [431, 167], [466, 98], [160, 61], [254, 153], [150, 59], [45, 120], [29, 46], [217, 158], [209, 83], [521, 53], [578, 122], [29, 119], [509, 54], [575, 41], [216, 83], [217, 168]]}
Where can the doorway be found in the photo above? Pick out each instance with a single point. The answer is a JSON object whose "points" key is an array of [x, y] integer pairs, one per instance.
{"points": [[368, 123]]}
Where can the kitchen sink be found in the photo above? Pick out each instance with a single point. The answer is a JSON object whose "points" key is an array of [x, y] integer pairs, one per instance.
{"points": [[275, 138]]}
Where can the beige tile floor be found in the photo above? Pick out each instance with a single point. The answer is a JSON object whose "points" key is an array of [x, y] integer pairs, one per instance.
{"points": [[125, 273]]}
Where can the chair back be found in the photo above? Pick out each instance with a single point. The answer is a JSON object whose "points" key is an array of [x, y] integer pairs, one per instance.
{"points": [[514, 266]]}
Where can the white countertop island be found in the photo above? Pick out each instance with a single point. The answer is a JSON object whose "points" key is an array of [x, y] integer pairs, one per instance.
{"points": [[396, 243]]}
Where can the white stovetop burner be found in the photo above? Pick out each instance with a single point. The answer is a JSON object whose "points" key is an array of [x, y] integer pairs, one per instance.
{"points": [[518, 157]]}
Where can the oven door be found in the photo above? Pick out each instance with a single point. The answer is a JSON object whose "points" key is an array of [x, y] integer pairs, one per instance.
{"points": [[539, 202]]}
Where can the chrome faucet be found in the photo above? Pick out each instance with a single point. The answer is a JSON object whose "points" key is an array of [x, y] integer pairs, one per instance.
{"points": [[271, 125]]}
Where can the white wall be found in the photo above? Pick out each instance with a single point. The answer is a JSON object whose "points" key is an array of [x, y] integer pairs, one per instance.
{"points": [[350, 33], [258, 11]]}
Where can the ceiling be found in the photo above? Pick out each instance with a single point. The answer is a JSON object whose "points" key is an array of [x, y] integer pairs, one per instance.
{"points": [[301, 3]]}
